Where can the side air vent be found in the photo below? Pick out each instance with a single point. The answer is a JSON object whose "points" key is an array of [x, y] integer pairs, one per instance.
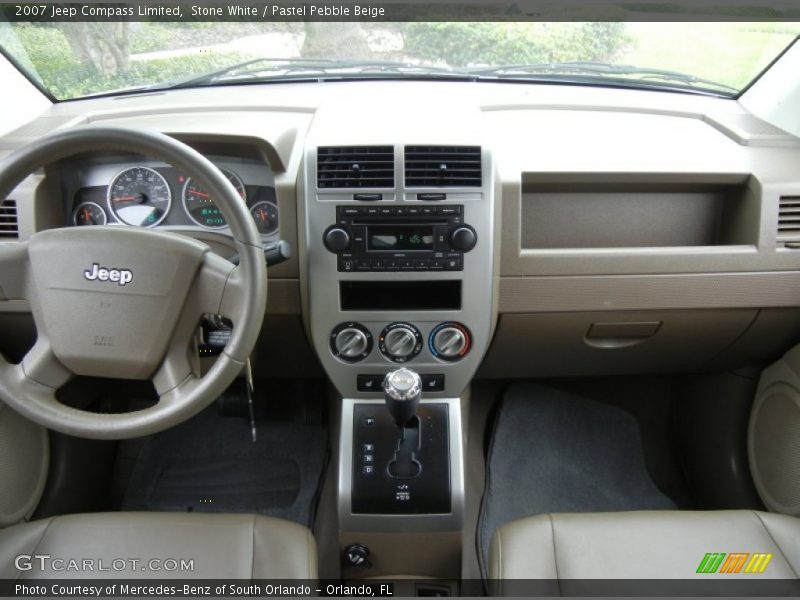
{"points": [[9, 227], [443, 166], [789, 222], [355, 167]]}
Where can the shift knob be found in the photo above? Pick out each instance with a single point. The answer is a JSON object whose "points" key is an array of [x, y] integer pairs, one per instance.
{"points": [[402, 390]]}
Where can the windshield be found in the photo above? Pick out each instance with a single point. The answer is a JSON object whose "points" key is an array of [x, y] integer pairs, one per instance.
{"points": [[72, 60]]}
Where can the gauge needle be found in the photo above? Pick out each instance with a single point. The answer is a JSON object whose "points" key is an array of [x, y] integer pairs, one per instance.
{"points": [[88, 216], [262, 214], [136, 198], [196, 193]]}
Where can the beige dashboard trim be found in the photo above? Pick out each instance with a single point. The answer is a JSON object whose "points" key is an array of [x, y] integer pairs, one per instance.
{"points": [[595, 293], [649, 292]]}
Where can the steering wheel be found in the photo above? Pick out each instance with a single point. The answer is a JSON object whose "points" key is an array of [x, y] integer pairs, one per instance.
{"points": [[124, 302]]}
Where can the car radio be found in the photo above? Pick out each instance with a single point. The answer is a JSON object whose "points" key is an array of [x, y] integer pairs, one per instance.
{"points": [[400, 238]]}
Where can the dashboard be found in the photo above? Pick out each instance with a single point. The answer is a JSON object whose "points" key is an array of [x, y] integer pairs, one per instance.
{"points": [[604, 231]]}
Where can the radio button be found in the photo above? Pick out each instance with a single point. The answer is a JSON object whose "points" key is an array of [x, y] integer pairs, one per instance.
{"points": [[428, 210], [385, 211], [378, 265], [421, 264], [406, 264], [350, 211], [453, 264], [392, 265], [372, 212], [437, 265], [399, 210], [449, 210], [413, 210], [363, 265]]}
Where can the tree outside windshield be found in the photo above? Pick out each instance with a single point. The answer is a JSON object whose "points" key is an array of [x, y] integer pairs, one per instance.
{"points": [[78, 59]]}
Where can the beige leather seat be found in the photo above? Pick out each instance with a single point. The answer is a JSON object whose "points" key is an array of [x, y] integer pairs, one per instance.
{"points": [[641, 545], [219, 546]]}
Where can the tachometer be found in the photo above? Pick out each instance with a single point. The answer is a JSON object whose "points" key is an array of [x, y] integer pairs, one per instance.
{"points": [[139, 196], [200, 205], [89, 213], [265, 215]]}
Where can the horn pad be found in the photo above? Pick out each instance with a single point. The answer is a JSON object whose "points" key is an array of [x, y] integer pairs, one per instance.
{"points": [[108, 297]]}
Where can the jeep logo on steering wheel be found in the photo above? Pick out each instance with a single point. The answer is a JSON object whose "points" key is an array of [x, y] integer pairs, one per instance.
{"points": [[98, 273]]}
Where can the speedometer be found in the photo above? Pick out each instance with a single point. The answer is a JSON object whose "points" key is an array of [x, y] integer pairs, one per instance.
{"points": [[139, 196], [200, 206]]}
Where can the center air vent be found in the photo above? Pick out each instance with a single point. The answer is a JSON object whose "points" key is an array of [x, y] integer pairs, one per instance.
{"points": [[789, 221], [443, 166], [355, 167], [9, 227]]}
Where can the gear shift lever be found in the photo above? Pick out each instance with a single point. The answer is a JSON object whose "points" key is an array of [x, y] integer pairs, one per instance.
{"points": [[402, 390]]}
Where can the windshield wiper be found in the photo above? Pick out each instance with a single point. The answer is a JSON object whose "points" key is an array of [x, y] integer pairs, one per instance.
{"points": [[317, 68], [625, 73]]}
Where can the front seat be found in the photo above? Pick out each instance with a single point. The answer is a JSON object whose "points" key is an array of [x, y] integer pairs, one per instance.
{"points": [[564, 549], [153, 545]]}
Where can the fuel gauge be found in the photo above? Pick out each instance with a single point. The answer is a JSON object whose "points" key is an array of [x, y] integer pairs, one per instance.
{"points": [[265, 215], [89, 213]]}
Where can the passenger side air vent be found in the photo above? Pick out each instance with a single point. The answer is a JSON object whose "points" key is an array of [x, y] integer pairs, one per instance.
{"points": [[9, 227], [355, 167], [789, 222], [443, 166]]}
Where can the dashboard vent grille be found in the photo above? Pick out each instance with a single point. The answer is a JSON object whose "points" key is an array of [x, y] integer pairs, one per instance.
{"points": [[355, 167], [9, 226], [443, 166], [789, 221]]}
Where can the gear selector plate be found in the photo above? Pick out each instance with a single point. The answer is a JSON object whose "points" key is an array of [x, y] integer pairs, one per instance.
{"points": [[376, 490]]}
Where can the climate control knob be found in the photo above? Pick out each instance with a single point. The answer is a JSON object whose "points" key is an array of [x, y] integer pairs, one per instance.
{"points": [[463, 238], [449, 341], [336, 238], [351, 342], [400, 342]]}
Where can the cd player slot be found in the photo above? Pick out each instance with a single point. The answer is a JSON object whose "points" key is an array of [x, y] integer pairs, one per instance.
{"points": [[400, 221]]}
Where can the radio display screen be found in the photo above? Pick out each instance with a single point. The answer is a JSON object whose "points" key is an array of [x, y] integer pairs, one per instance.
{"points": [[398, 238]]}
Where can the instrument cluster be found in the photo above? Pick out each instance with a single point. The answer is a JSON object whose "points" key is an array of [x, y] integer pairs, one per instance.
{"points": [[153, 195]]}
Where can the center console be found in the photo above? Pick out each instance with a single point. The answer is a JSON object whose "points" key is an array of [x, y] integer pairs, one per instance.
{"points": [[399, 278]]}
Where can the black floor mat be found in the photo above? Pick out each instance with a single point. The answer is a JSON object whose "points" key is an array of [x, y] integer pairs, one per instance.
{"points": [[210, 464], [553, 451]]}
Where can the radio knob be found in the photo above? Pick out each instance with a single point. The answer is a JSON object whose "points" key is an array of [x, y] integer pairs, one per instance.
{"points": [[400, 342], [336, 238], [463, 238], [450, 341]]}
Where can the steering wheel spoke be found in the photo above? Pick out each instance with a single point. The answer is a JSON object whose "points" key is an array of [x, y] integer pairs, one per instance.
{"points": [[36, 379], [216, 288], [41, 366], [14, 268]]}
